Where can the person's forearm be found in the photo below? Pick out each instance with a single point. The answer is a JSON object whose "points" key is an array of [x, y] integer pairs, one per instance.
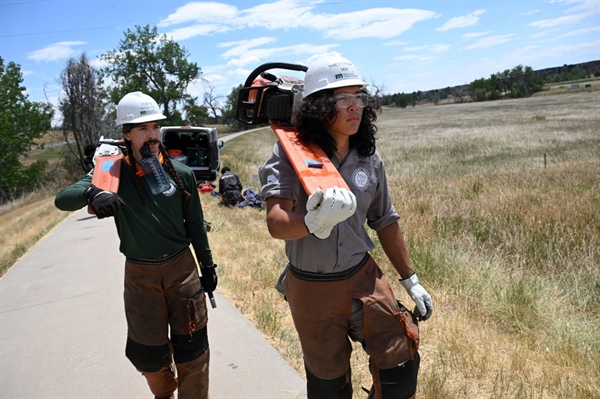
{"points": [[285, 225], [392, 242], [72, 198]]}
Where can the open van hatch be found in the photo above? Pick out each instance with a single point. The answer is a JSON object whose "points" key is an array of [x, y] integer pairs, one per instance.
{"points": [[196, 147]]}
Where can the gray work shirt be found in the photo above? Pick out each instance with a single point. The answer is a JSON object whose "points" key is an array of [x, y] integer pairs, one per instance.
{"points": [[349, 241]]}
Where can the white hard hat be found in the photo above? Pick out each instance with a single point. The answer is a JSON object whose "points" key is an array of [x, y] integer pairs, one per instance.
{"points": [[330, 72], [137, 107]]}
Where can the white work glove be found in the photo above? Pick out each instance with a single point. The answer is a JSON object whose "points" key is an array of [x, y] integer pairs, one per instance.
{"points": [[323, 211], [422, 299]]}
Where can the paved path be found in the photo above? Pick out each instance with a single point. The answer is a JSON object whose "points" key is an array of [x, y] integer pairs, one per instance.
{"points": [[63, 329]]}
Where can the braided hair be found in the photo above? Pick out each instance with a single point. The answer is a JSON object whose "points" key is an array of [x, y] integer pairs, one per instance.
{"points": [[173, 171], [167, 161]]}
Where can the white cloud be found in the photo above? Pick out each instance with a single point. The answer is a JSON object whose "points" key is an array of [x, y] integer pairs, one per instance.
{"points": [[461, 22], [577, 32], [201, 12], [565, 20], [395, 43], [588, 7], [580, 32], [209, 18], [421, 59], [542, 34], [407, 57], [488, 42], [549, 56], [254, 56], [54, 52], [436, 48], [472, 35], [374, 23], [530, 12], [214, 79], [250, 52], [522, 56], [282, 14], [242, 47], [196, 30], [582, 9], [565, 49], [243, 60], [225, 74]]}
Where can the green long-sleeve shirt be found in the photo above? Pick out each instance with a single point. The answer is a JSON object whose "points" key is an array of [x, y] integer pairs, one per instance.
{"points": [[164, 226]]}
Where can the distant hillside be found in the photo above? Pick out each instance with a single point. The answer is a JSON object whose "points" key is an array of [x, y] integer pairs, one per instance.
{"points": [[589, 66], [518, 82]]}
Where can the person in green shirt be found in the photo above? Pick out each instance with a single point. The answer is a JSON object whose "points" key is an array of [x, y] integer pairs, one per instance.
{"points": [[165, 304]]}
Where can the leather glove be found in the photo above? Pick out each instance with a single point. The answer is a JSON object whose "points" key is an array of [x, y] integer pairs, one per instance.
{"points": [[209, 278], [422, 299], [103, 203], [323, 211]]}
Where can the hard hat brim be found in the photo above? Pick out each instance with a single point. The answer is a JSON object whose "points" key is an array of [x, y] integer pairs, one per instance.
{"points": [[144, 119], [337, 85]]}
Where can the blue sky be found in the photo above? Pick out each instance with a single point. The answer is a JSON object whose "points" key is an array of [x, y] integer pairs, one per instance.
{"points": [[401, 46]]}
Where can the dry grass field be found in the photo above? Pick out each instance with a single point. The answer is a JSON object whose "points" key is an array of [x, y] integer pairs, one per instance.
{"points": [[23, 223], [499, 204]]}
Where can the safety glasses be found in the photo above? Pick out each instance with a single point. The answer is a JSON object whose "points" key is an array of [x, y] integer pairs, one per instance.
{"points": [[344, 100]]}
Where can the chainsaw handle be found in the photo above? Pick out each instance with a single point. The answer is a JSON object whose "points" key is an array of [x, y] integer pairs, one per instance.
{"points": [[115, 142], [120, 144], [111, 141], [273, 65]]}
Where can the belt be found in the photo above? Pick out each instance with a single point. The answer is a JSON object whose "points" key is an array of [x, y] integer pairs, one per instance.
{"points": [[311, 276], [159, 260]]}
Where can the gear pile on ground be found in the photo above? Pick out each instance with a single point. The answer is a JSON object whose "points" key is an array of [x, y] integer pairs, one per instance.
{"points": [[251, 199]]}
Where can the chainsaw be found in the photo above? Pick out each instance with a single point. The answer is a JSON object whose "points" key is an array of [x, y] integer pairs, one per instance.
{"points": [[266, 98]]}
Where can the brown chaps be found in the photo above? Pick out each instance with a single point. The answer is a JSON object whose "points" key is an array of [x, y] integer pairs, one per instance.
{"points": [[322, 313], [166, 320]]}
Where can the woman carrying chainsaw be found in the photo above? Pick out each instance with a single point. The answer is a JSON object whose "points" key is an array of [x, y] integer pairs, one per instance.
{"points": [[335, 290], [164, 300]]}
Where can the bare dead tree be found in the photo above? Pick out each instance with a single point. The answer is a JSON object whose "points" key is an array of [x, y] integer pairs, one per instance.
{"points": [[460, 94], [81, 106], [377, 90], [211, 101]]}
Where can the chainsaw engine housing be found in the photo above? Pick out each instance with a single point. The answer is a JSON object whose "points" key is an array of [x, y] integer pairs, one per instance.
{"points": [[266, 98]]}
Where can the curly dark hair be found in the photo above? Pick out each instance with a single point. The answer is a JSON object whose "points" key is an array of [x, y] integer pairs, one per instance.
{"points": [[317, 112]]}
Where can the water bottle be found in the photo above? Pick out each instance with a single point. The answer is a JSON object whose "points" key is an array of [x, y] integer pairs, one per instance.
{"points": [[153, 171]]}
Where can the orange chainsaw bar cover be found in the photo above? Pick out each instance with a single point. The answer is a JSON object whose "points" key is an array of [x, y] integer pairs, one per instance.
{"points": [[107, 172], [309, 161]]}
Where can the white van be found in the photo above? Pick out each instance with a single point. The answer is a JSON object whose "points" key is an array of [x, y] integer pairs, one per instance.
{"points": [[197, 147]]}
